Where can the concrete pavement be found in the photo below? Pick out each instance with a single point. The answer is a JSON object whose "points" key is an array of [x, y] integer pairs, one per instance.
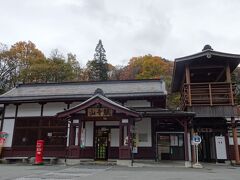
{"points": [[98, 172]]}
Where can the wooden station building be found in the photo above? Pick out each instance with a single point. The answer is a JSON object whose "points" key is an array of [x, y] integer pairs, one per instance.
{"points": [[109, 119]]}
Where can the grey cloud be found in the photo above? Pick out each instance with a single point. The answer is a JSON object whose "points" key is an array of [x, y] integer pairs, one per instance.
{"points": [[128, 28]]}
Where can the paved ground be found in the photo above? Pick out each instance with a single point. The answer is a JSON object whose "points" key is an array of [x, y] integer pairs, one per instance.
{"points": [[94, 172]]}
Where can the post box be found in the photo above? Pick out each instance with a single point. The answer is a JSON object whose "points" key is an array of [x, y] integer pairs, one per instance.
{"points": [[39, 152]]}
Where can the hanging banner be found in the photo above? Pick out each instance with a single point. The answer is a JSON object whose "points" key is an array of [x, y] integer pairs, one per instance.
{"points": [[134, 143], [83, 138], [3, 137]]}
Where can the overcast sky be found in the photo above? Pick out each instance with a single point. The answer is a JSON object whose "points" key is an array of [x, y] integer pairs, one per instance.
{"points": [[167, 28]]}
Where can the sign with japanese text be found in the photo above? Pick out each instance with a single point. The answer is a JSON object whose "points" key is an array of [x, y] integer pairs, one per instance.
{"points": [[99, 112]]}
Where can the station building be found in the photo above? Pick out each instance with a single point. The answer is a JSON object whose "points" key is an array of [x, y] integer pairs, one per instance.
{"points": [[121, 120]]}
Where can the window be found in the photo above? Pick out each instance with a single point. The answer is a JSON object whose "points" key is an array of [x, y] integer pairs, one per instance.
{"points": [[143, 137], [28, 130]]}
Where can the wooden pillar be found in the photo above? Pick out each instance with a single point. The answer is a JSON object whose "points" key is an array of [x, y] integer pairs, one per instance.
{"points": [[228, 79], [79, 132], [72, 134], [2, 118], [228, 73], [186, 141], [235, 140], [188, 81], [124, 149], [193, 147], [227, 145]]}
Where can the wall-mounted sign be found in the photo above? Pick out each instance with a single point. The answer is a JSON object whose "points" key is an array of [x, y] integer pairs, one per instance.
{"points": [[99, 112], [124, 121], [205, 130]]}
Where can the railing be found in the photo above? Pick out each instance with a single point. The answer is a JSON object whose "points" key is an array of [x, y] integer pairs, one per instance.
{"points": [[209, 94]]}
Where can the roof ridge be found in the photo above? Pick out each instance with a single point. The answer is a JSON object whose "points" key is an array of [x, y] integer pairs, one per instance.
{"points": [[89, 82]]}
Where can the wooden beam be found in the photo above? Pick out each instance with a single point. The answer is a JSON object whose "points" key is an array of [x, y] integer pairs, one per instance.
{"points": [[206, 67]]}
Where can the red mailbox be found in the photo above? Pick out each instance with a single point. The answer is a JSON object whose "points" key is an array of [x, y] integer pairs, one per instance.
{"points": [[39, 152]]}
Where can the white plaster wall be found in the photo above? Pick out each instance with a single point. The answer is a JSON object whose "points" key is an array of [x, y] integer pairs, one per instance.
{"points": [[10, 110], [137, 103], [114, 140], [51, 109], [107, 123], [68, 134], [8, 126], [144, 126], [231, 141], [29, 109], [89, 133]]}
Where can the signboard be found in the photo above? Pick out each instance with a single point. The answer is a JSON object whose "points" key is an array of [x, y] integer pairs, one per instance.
{"points": [[134, 143], [99, 112], [196, 140], [124, 121], [220, 147], [82, 140]]}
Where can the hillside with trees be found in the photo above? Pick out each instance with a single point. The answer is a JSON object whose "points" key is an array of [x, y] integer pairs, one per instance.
{"points": [[23, 62]]}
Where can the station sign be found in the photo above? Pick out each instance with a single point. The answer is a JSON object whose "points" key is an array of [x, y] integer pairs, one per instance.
{"points": [[99, 112], [196, 139]]}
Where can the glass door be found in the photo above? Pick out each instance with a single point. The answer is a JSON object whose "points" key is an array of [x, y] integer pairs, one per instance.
{"points": [[101, 144]]}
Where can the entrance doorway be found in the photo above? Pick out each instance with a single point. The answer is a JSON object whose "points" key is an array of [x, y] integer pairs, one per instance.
{"points": [[101, 143], [170, 146]]}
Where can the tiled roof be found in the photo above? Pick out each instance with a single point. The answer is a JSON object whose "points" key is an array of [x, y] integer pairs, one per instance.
{"points": [[29, 92]]}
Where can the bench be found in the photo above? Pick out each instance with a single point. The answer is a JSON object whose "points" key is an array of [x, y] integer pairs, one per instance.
{"points": [[11, 159], [51, 160]]}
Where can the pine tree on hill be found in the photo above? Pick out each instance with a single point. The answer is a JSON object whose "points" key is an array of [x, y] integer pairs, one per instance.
{"points": [[98, 67]]}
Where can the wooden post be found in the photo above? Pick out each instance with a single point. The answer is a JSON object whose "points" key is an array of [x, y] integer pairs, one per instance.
{"points": [[228, 74], [186, 141], [228, 79], [188, 81], [235, 140], [231, 94], [193, 148], [124, 150], [79, 132]]}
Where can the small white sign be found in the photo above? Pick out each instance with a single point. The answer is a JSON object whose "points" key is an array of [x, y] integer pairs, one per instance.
{"points": [[221, 147], [135, 150], [124, 121]]}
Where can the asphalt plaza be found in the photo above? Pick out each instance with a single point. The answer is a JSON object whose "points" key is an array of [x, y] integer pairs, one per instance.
{"points": [[99, 172]]}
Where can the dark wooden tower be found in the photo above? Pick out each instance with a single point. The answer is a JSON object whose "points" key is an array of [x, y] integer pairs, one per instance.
{"points": [[205, 84]]}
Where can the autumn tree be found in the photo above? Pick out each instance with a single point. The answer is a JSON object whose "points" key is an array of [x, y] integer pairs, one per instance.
{"points": [[97, 68], [24, 63], [8, 68], [147, 67], [26, 55], [152, 67]]}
